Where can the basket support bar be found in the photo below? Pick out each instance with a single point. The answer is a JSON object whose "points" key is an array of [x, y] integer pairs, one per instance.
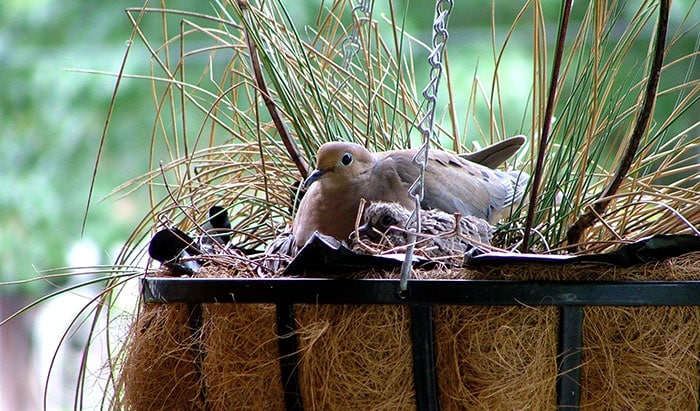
{"points": [[424, 360], [569, 357], [289, 357]]}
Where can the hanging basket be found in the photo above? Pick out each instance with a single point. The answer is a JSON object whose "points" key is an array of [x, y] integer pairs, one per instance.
{"points": [[528, 336]]}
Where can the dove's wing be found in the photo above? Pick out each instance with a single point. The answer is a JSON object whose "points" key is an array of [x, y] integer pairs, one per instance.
{"points": [[455, 185], [496, 154]]}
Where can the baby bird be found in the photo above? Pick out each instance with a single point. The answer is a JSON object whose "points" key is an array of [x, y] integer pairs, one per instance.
{"points": [[440, 236], [280, 252]]}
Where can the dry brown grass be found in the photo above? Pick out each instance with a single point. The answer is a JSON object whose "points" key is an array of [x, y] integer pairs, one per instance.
{"points": [[160, 372]]}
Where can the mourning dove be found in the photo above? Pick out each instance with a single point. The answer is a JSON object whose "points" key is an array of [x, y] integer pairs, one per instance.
{"points": [[385, 224], [348, 172], [496, 154]]}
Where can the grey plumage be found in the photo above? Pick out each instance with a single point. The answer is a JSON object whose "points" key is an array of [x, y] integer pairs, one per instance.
{"points": [[384, 224]]}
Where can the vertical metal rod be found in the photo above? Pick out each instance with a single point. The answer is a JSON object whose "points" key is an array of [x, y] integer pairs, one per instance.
{"points": [[569, 357], [289, 358], [424, 359]]}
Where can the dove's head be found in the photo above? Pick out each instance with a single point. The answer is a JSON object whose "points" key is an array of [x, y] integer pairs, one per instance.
{"points": [[380, 217], [340, 163]]}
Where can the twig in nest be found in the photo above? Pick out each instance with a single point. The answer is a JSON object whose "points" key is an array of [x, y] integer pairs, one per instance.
{"points": [[363, 245], [458, 226]]}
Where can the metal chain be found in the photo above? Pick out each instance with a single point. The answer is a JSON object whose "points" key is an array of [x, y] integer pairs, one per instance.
{"points": [[351, 45], [426, 127]]}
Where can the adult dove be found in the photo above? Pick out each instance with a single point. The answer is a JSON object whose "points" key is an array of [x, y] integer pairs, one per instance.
{"points": [[347, 172]]}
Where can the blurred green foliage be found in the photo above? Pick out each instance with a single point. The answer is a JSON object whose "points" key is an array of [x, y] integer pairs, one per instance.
{"points": [[51, 117]]}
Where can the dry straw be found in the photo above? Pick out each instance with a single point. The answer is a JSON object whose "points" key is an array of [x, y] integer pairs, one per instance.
{"points": [[240, 366], [159, 371]]}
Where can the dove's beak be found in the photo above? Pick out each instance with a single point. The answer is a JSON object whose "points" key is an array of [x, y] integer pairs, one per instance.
{"points": [[313, 177], [364, 230], [361, 232]]}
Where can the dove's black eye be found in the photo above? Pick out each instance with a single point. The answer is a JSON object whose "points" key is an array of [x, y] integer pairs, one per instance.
{"points": [[346, 160], [387, 221]]}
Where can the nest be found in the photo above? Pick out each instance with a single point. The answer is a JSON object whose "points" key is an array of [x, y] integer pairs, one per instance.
{"points": [[359, 357]]}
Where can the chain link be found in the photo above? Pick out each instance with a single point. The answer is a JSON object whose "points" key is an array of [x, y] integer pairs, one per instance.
{"points": [[426, 127], [351, 45]]}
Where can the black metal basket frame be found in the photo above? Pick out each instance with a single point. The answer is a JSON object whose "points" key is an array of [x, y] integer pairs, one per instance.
{"points": [[422, 295]]}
